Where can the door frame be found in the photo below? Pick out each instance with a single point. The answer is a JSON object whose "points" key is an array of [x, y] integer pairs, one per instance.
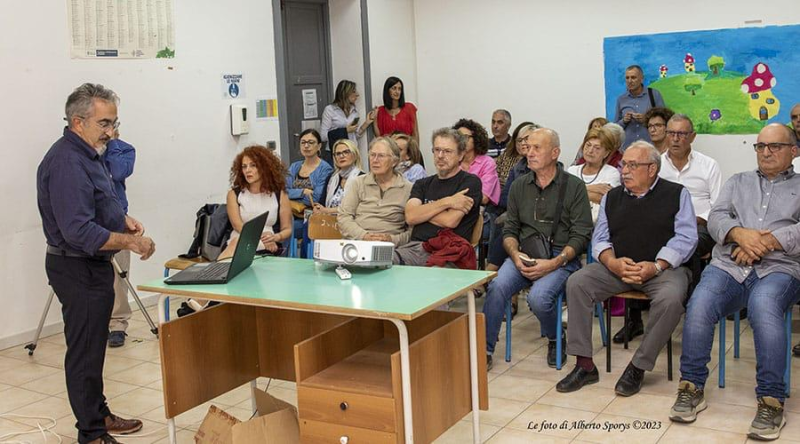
{"points": [[280, 67]]}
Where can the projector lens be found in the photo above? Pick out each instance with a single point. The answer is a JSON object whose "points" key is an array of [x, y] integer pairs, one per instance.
{"points": [[349, 254]]}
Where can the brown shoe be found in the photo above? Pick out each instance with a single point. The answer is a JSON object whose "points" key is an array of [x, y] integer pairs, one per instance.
{"points": [[118, 426], [105, 439]]}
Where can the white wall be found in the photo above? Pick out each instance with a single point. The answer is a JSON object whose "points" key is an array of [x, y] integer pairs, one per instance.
{"points": [[172, 111], [543, 61], [347, 53]]}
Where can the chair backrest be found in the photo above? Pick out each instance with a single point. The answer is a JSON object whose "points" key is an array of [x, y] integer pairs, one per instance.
{"points": [[323, 226], [477, 232]]}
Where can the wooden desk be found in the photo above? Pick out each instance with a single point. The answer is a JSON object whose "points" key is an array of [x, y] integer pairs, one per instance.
{"points": [[281, 287]]}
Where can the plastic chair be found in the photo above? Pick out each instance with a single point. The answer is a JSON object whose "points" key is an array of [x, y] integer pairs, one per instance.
{"points": [[638, 295], [787, 322]]}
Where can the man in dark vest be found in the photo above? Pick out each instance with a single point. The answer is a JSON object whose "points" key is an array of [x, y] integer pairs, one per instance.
{"points": [[645, 231]]}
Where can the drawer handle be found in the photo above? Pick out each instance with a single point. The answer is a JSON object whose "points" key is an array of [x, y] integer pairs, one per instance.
{"points": [[344, 407], [344, 440]]}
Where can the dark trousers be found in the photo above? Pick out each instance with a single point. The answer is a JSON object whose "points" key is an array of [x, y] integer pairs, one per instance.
{"points": [[85, 288]]}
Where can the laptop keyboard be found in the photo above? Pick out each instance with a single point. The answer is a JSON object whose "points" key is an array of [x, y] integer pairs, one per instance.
{"points": [[217, 270]]}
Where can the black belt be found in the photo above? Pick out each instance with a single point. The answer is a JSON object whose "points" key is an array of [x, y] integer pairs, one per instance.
{"points": [[60, 252]]}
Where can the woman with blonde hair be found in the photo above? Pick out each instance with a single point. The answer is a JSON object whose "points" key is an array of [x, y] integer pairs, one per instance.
{"points": [[347, 161]]}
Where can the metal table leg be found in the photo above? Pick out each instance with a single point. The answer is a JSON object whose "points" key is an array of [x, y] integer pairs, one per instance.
{"points": [[405, 371], [473, 367]]}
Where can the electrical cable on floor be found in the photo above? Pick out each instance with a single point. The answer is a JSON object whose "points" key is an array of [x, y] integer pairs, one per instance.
{"points": [[44, 430], [138, 435]]}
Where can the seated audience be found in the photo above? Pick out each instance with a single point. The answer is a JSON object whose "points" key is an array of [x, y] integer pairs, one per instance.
{"points": [[645, 231], [348, 166], [476, 161], [656, 120], [396, 114], [501, 123], [598, 176], [374, 206], [756, 263], [445, 204], [306, 180], [411, 165], [512, 155], [340, 118], [618, 136], [545, 204]]}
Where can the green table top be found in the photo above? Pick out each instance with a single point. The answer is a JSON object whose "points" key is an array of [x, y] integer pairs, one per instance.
{"points": [[400, 292]]}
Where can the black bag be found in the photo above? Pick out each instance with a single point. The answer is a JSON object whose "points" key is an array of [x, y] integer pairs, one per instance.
{"points": [[537, 246], [212, 229]]}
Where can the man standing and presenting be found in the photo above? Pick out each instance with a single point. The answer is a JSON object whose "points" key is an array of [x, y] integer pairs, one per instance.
{"points": [[501, 123], [119, 158], [450, 198], [85, 224], [633, 104]]}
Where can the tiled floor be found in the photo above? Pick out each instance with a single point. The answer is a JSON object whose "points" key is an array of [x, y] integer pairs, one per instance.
{"points": [[522, 394]]}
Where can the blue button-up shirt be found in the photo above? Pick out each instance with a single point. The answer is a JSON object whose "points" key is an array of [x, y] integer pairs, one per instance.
{"points": [[627, 102], [119, 159], [678, 249], [76, 197]]}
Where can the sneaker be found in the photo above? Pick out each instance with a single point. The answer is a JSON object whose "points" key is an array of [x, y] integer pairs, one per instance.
{"points": [[769, 420], [690, 402], [116, 339], [489, 362], [119, 426]]}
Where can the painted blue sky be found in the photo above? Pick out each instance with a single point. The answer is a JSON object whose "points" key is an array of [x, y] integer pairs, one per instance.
{"points": [[741, 48]]}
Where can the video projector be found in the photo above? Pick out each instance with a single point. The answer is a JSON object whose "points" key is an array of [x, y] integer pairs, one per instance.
{"points": [[354, 253]]}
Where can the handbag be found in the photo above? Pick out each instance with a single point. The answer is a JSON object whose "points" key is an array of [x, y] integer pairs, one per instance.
{"points": [[298, 208], [537, 246]]}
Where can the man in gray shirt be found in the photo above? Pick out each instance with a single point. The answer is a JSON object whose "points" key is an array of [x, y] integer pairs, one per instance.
{"points": [[756, 263], [633, 104]]}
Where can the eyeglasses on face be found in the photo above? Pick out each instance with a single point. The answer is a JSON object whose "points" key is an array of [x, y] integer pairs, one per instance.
{"points": [[379, 156], [105, 124], [773, 147], [679, 134], [310, 142], [443, 152], [344, 153], [655, 126], [522, 141], [632, 165]]}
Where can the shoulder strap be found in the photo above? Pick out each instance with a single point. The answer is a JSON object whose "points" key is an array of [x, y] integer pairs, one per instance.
{"points": [[652, 99], [562, 191]]}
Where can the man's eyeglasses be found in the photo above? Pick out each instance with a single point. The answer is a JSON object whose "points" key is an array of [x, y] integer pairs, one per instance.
{"points": [[308, 142], [655, 126], [678, 134], [443, 152], [773, 147], [342, 153], [633, 164], [106, 125]]}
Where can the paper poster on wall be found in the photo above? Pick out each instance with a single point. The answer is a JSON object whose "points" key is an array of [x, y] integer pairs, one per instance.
{"points": [[121, 29], [266, 108], [233, 86], [728, 81], [310, 104]]}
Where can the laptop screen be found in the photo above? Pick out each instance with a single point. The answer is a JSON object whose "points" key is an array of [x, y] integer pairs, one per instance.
{"points": [[247, 245]]}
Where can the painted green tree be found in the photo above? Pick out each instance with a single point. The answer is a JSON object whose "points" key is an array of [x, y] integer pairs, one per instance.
{"points": [[166, 53], [715, 65], [693, 83]]}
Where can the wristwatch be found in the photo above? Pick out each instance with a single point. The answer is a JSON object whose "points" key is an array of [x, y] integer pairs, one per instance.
{"points": [[564, 259], [659, 269]]}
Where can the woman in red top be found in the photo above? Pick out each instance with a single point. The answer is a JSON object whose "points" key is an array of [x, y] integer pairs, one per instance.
{"points": [[396, 114]]}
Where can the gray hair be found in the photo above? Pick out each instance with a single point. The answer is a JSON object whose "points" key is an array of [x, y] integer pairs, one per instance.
{"points": [[636, 67], [455, 136], [617, 131], [504, 112], [555, 140], [393, 147], [682, 118], [652, 152], [81, 102]]}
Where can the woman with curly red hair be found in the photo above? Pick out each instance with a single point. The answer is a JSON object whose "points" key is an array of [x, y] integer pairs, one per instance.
{"points": [[258, 185]]}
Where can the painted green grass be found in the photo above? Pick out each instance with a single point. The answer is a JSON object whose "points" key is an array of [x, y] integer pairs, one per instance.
{"points": [[722, 92]]}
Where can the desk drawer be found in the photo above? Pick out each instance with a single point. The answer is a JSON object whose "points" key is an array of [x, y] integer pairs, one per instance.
{"points": [[315, 432], [350, 409]]}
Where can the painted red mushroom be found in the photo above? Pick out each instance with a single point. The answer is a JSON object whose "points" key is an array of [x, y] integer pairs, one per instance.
{"points": [[689, 58], [760, 79]]}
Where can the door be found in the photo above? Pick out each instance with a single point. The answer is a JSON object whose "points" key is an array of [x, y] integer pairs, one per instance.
{"points": [[307, 50]]}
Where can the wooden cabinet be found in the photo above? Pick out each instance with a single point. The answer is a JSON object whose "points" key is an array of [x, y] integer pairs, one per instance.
{"points": [[348, 379]]}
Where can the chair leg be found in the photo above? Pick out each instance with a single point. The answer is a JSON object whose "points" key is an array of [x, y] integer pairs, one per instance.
{"points": [[721, 332], [559, 345], [736, 322], [608, 338], [601, 321], [310, 250], [669, 359], [787, 377], [626, 320], [508, 330]]}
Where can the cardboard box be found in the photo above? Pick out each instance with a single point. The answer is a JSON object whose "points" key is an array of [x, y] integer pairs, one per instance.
{"points": [[276, 422]]}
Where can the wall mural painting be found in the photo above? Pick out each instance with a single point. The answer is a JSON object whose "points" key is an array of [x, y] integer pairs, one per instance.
{"points": [[728, 81]]}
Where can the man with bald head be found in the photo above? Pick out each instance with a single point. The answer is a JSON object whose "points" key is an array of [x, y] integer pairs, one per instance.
{"points": [[755, 264], [645, 231], [545, 194]]}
